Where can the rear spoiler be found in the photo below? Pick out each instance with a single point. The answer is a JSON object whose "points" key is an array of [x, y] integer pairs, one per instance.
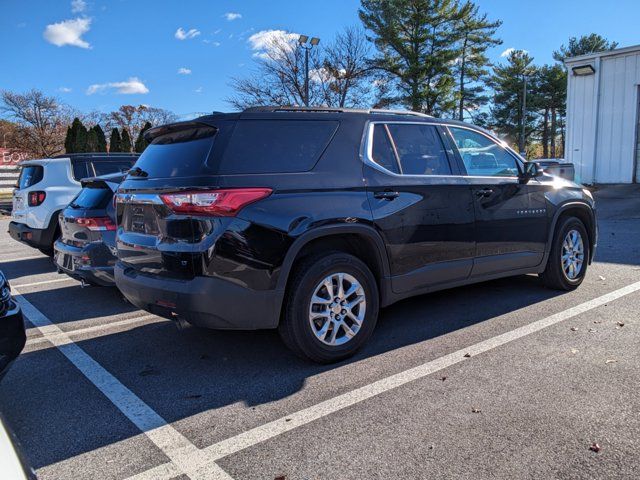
{"points": [[174, 127], [111, 181]]}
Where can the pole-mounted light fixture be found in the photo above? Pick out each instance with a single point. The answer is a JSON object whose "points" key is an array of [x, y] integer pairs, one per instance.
{"points": [[302, 42], [583, 70]]}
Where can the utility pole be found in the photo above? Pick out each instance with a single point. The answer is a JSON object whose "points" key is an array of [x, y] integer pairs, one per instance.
{"points": [[302, 42]]}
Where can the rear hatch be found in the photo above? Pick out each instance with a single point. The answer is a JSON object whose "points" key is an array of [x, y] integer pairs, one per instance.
{"points": [[31, 174], [90, 217], [153, 238]]}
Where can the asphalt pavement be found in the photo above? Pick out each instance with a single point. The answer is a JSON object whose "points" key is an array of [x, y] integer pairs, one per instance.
{"points": [[505, 379]]}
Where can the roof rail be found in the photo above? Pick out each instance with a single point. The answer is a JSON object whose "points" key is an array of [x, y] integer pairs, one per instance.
{"points": [[333, 110], [96, 154]]}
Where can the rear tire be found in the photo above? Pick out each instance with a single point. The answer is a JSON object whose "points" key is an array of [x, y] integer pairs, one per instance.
{"points": [[316, 327], [569, 256]]}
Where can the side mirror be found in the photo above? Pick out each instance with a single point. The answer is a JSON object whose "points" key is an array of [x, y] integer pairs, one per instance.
{"points": [[531, 170]]}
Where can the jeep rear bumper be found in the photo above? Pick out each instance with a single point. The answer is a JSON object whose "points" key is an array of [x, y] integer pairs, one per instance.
{"points": [[202, 301], [34, 237]]}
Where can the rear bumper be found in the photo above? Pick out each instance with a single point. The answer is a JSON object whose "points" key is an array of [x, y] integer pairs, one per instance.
{"points": [[12, 337], [203, 301], [34, 237], [90, 263]]}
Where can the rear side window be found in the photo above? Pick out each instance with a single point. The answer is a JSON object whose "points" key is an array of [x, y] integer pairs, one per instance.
{"points": [[276, 146], [104, 167], [420, 149], [178, 154], [382, 150], [30, 175], [92, 197], [81, 169]]}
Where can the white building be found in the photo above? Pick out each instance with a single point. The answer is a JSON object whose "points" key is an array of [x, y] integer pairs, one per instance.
{"points": [[603, 116]]}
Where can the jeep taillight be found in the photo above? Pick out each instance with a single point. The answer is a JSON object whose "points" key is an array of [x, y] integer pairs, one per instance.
{"points": [[217, 203], [96, 224], [36, 198]]}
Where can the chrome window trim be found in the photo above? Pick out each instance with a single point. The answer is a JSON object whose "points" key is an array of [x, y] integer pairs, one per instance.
{"points": [[367, 156]]}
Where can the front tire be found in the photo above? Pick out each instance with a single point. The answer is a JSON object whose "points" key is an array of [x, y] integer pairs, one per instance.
{"points": [[569, 256], [331, 308]]}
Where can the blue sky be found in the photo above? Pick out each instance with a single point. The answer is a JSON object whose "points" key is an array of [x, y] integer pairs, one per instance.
{"points": [[98, 54]]}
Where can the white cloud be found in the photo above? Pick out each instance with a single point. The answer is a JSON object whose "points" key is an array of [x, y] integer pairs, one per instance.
{"points": [[132, 86], [209, 42], [64, 89], [508, 52], [68, 32], [78, 6], [184, 71], [182, 34], [199, 90], [231, 16], [267, 43]]}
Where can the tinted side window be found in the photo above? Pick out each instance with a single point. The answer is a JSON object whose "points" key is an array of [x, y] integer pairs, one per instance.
{"points": [[81, 169], [180, 153], [420, 149], [30, 175], [276, 146], [382, 150], [483, 157], [110, 166]]}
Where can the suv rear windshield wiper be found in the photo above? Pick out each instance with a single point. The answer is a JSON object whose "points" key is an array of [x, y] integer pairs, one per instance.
{"points": [[138, 172]]}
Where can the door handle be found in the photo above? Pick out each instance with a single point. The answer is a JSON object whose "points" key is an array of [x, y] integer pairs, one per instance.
{"points": [[485, 192], [386, 195]]}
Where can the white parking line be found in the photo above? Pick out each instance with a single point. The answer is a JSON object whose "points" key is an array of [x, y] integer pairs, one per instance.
{"points": [[302, 417], [184, 455], [96, 330], [45, 282], [19, 259]]}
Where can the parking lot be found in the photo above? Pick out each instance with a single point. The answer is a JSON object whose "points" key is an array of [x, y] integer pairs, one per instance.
{"points": [[500, 380]]}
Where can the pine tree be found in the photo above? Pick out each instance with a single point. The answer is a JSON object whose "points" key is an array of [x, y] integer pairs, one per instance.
{"points": [[508, 82], [418, 44], [115, 141], [126, 141], [80, 137], [550, 98], [92, 141], [141, 142], [68, 141], [75, 141], [101, 139], [471, 68], [591, 43]]}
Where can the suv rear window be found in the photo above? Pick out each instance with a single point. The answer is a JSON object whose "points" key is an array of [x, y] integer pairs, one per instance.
{"points": [[30, 175], [92, 197], [276, 146], [178, 154], [104, 167]]}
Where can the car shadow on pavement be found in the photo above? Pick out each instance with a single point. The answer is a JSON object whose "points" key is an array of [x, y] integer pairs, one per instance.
{"points": [[181, 374], [24, 268]]}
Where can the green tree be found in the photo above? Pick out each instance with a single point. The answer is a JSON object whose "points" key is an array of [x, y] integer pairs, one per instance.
{"points": [[92, 141], [141, 142], [75, 141], [472, 65], [550, 98], [115, 141], [418, 43], [101, 144], [584, 45], [126, 141], [68, 140], [508, 82]]}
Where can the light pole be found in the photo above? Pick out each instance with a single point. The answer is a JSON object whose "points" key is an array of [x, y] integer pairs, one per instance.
{"points": [[302, 42], [524, 118]]}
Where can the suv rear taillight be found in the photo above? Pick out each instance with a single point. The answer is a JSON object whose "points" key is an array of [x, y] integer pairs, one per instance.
{"points": [[96, 224], [218, 203], [36, 198]]}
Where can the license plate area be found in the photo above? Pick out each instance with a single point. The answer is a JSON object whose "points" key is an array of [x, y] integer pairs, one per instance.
{"points": [[141, 219]]}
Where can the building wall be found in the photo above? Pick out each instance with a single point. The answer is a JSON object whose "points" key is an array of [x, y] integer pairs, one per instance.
{"points": [[604, 123]]}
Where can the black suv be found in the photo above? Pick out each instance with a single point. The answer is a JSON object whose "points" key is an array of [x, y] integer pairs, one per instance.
{"points": [[310, 220]]}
